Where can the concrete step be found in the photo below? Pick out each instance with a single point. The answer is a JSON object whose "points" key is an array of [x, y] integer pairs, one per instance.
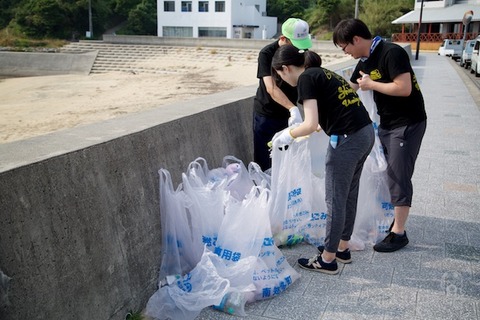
{"points": [[125, 58]]}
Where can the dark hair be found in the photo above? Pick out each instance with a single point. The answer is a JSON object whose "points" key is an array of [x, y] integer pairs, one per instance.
{"points": [[288, 55], [346, 29]]}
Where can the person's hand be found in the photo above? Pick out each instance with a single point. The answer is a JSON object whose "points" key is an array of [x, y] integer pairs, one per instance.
{"points": [[365, 83], [282, 138], [295, 116]]}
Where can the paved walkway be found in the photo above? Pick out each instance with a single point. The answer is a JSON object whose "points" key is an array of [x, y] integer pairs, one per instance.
{"points": [[437, 276]]}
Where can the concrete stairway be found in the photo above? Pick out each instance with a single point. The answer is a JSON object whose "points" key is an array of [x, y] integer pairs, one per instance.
{"points": [[136, 58]]}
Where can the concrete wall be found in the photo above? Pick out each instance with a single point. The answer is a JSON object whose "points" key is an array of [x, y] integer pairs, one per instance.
{"points": [[80, 223], [319, 46], [23, 64]]}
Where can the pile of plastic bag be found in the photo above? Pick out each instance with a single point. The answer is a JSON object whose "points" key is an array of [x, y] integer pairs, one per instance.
{"points": [[222, 227], [217, 247]]}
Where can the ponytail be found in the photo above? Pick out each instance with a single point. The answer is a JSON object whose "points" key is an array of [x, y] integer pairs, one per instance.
{"points": [[312, 59]]}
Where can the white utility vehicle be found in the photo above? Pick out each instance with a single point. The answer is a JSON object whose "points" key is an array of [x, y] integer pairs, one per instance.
{"points": [[475, 64], [451, 48], [466, 59]]}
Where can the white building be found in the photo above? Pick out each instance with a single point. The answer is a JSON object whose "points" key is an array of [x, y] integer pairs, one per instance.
{"points": [[211, 18], [441, 19]]}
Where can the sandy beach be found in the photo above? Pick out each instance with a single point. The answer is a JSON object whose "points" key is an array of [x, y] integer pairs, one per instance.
{"points": [[32, 106]]}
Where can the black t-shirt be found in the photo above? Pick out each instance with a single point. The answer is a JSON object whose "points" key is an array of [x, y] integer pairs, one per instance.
{"points": [[387, 61], [340, 110], [263, 102]]}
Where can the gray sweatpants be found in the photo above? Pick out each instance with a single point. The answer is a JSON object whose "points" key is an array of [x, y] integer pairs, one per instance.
{"points": [[344, 166]]}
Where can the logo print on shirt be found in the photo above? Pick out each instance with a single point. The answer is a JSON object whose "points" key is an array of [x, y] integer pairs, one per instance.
{"points": [[375, 74]]}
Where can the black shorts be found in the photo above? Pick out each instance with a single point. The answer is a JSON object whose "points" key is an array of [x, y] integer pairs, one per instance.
{"points": [[401, 146]]}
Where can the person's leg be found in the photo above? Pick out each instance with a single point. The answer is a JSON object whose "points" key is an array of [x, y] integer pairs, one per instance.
{"points": [[401, 146], [364, 140], [337, 177], [342, 183], [263, 131]]}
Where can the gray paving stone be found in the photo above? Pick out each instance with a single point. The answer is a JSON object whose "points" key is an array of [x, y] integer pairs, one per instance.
{"points": [[437, 275], [453, 307], [295, 307], [351, 311]]}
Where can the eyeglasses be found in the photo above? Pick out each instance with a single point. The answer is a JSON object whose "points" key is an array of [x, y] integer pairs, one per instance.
{"points": [[343, 48]]}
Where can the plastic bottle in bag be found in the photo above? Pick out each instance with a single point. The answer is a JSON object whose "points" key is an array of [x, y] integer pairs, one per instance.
{"points": [[233, 303]]}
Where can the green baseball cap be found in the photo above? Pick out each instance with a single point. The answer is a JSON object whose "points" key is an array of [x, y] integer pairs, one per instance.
{"points": [[296, 30]]}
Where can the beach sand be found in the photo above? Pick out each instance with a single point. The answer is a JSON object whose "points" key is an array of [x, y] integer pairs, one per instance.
{"points": [[32, 106]]}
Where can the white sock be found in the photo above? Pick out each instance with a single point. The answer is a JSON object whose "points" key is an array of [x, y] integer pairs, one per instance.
{"points": [[327, 261]]}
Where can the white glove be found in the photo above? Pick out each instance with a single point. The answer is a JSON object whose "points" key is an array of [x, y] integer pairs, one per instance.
{"points": [[282, 138], [295, 116]]}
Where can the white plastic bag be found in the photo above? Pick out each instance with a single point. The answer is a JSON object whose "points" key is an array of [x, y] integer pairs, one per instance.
{"points": [[244, 227], [314, 229], [178, 255], [374, 210], [377, 155], [240, 240], [273, 274], [238, 183], [317, 144], [246, 233], [197, 172], [259, 177], [296, 192], [189, 294], [205, 203]]}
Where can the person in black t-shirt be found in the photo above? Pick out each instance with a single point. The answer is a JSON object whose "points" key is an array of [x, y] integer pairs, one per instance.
{"points": [[329, 101], [275, 104], [385, 68]]}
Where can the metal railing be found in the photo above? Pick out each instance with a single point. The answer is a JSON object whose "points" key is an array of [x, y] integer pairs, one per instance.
{"points": [[431, 37]]}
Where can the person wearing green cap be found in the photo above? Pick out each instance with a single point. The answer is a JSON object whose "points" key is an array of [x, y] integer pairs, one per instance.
{"points": [[275, 103]]}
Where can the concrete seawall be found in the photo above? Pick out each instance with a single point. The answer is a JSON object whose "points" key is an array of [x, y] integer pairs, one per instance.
{"points": [[80, 234], [30, 64]]}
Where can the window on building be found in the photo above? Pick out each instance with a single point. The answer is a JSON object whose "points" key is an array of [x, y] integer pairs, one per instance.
{"points": [[169, 6], [186, 6], [219, 6], [177, 32], [203, 6], [215, 32]]}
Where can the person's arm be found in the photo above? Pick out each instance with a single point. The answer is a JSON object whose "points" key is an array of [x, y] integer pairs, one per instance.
{"points": [[354, 85], [276, 93], [310, 124], [400, 87]]}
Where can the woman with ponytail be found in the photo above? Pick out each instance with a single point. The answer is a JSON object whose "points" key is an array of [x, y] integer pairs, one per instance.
{"points": [[330, 103]]}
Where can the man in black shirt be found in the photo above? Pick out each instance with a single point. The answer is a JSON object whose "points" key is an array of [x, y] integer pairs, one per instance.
{"points": [[275, 103], [385, 68]]}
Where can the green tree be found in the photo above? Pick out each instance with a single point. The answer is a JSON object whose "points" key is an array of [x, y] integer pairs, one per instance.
{"points": [[284, 9], [325, 14], [379, 14], [42, 18], [6, 12], [142, 20], [123, 7]]}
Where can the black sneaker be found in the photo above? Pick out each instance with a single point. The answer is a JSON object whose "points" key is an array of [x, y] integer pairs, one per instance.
{"points": [[391, 243], [316, 264], [342, 256]]}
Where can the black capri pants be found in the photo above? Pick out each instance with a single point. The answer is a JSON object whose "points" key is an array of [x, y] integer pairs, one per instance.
{"points": [[401, 146]]}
